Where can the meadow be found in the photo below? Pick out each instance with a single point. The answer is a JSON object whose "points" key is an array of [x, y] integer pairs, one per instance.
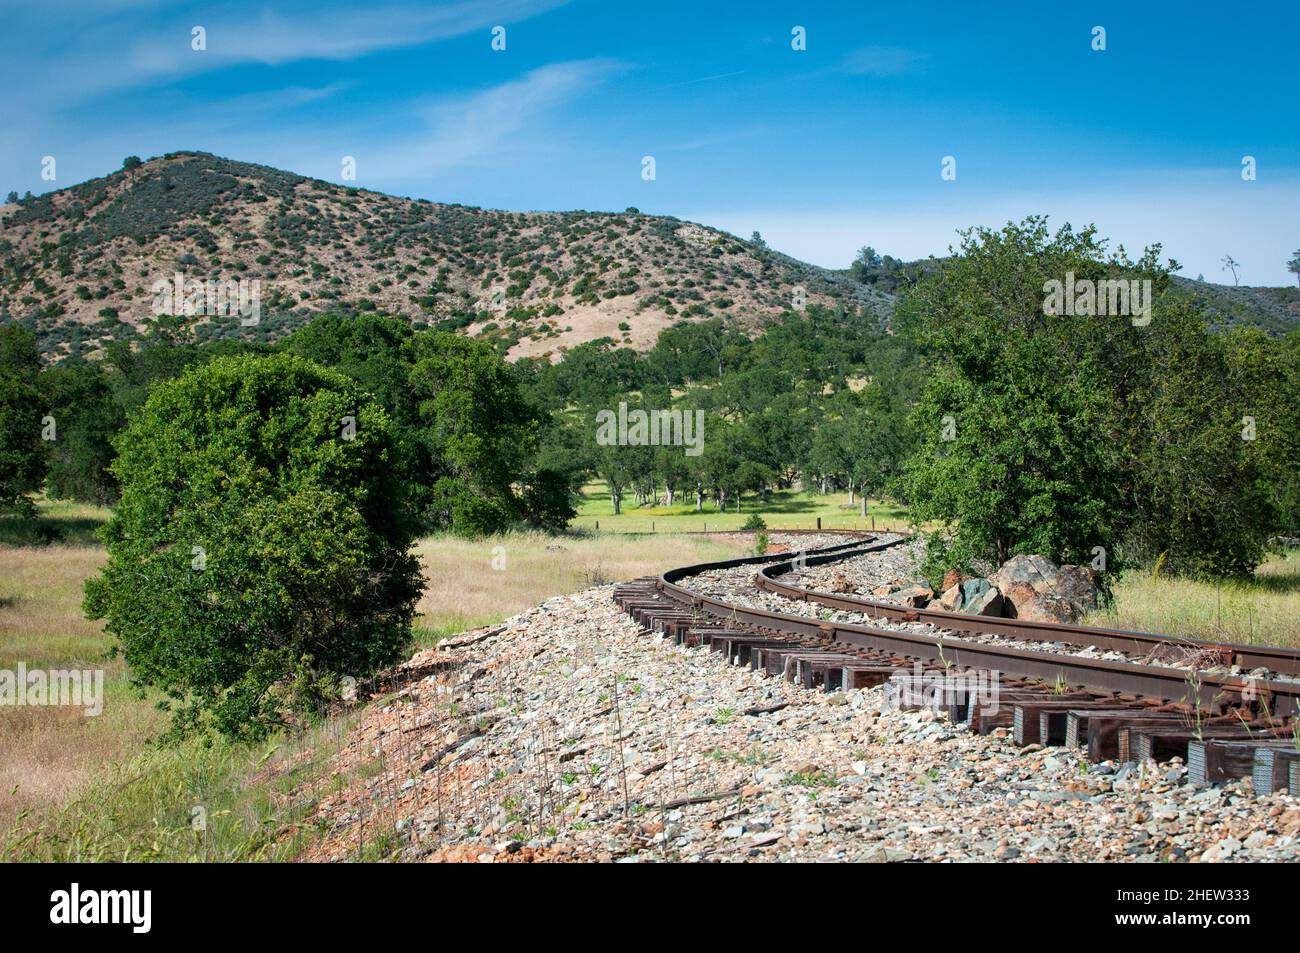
{"points": [[787, 509]]}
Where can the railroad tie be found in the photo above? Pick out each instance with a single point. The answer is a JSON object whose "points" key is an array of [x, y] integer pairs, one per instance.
{"points": [[1143, 743], [1097, 731], [1273, 768], [1044, 721], [1004, 714], [1210, 762]]}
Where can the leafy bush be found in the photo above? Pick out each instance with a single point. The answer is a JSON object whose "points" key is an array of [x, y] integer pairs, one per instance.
{"points": [[260, 551]]}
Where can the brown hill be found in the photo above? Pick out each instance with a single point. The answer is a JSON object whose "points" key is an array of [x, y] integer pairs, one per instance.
{"points": [[79, 265]]}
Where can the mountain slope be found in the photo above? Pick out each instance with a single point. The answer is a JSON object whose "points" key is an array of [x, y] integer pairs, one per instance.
{"points": [[79, 265]]}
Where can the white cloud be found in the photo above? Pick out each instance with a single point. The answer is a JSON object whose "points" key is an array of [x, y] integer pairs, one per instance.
{"points": [[493, 126], [86, 59]]}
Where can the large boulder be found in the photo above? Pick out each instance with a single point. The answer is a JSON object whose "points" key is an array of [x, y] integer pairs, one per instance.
{"points": [[1036, 589]]}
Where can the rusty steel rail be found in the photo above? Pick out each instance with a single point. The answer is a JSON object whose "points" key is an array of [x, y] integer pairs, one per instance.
{"points": [[1204, 691], [1132, 643]]}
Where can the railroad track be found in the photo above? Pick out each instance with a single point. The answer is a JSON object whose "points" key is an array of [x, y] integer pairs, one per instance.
{"points": [[1223, 725]]}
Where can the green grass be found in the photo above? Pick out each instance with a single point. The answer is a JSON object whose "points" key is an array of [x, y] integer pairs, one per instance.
{"points": [[61, 522], [783, 509], [195, 801], [1261, 610]]}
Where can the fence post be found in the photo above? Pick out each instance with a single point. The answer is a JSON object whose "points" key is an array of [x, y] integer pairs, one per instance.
{"points": [[819, 522]]}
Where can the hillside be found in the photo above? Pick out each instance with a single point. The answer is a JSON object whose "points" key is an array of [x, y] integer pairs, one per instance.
{"points": [[78, 265]]}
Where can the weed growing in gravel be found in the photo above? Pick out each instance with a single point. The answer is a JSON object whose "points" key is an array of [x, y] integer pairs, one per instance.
{"points": [[811, 779], [755, 757]]}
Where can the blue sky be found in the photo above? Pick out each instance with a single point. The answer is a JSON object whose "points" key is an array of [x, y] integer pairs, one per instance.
{"points": [[822, 150]]}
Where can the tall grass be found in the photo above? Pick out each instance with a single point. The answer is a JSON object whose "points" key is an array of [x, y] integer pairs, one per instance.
{"points": [[196, 801], [470, 583], [1264, 609], [79, 788]]}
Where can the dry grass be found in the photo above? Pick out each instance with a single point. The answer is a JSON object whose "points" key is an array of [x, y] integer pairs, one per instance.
{"points": [[1264, 610], [464, 589], [49, 752], [55, 755]]}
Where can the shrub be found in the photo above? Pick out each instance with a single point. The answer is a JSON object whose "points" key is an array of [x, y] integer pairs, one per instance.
{"points": [[261, 547]]}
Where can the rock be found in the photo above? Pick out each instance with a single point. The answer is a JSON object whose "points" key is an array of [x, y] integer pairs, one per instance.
{"points": [[1224, 849], [916, 595], [972, 588], [950, 601], [951, 578], [1256, 839], [1035, 589], [988, 602], [839, 583]]}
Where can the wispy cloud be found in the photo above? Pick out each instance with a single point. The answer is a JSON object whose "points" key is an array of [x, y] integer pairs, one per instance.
{"points": [[98, 52], [493, 126], [881, 61], [273, 37]]}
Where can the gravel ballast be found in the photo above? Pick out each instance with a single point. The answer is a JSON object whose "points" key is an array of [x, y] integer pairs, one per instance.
{"points": [[568, 734]]}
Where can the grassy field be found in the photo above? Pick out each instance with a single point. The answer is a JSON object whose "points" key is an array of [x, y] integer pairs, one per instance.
{"points": [[786, 509], [73, 786], [1263, 609], [478, 582]]}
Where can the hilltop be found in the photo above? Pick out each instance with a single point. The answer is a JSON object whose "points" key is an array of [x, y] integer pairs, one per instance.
{"points": [[77, 265]]}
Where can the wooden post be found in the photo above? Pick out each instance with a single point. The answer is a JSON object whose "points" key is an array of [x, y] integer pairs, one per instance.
{"points": [[819, 522], [597, 526]]}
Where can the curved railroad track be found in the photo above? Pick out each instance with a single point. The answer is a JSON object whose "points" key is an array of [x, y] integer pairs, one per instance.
{"points": [[1223, 723]]}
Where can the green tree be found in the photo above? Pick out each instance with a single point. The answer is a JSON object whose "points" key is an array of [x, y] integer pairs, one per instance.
{"points": [[1052, 433], [481, 434], [261, 548], [87, 418], [23, 454], [1293, 265], [1016, 416]]}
